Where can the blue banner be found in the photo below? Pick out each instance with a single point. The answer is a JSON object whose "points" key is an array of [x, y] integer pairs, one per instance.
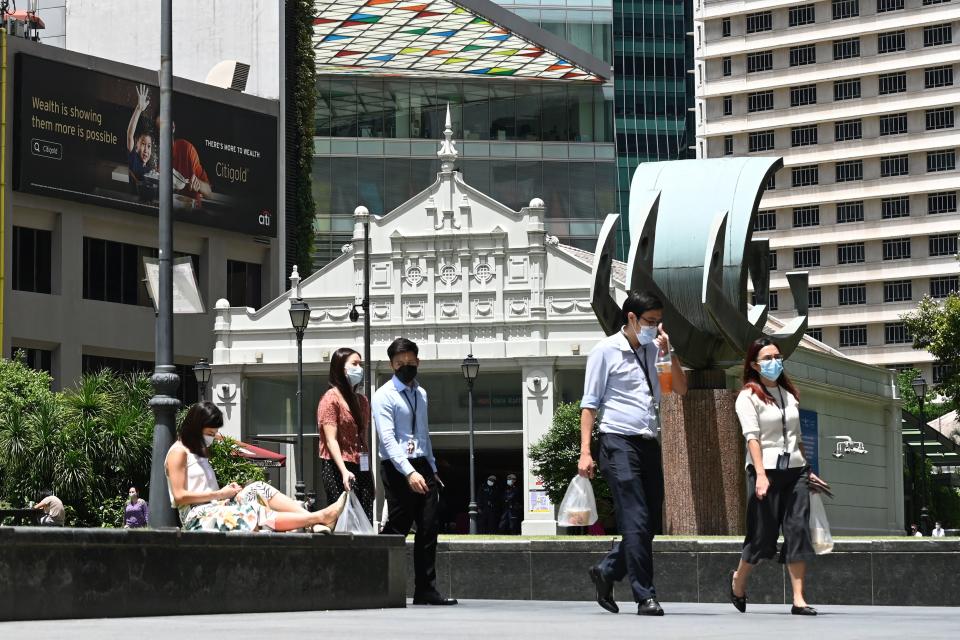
{"points": [[810, 434]]}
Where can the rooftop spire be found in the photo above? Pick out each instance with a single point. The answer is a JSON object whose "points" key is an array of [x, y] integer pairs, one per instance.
{"points": [[448, 148]]}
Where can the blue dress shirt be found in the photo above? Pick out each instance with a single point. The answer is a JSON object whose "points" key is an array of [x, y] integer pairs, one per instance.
{"points": [[615, 385], [401, 437]]}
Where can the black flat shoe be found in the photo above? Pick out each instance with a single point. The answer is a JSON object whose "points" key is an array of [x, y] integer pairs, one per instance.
{"points": [[649, 607], [740, 602], [434, 599], [604, 590], [803, 611]]}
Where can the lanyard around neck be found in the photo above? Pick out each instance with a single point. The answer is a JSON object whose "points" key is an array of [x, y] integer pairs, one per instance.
{"points": [[783, 416], [413, 408]]}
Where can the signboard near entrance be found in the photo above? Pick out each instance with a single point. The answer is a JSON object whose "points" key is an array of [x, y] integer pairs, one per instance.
{"points": [[810, 435], [89, 136]]}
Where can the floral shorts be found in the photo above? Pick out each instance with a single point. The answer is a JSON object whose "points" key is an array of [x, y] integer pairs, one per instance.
{"points": [[247, 511]]}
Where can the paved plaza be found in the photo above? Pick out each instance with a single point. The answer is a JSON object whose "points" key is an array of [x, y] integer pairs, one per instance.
{"points": [[501, 619]]}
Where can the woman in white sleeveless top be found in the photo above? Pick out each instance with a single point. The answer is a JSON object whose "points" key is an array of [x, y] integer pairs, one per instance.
{"points": [[204, 505]]}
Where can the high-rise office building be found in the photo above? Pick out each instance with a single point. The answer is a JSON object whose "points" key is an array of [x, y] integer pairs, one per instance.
{"points": [[859, 98]]}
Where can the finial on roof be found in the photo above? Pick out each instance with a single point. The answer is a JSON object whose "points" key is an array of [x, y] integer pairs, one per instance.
{"points": [[448, 148]]}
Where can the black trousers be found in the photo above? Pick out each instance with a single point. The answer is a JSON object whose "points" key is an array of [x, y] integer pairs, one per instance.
{"points": [[333, 484], [406, 507], [633, 469], [786, 506]]}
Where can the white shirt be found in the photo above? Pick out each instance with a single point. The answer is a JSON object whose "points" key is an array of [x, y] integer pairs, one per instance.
{"points": [[764, 422], [938, 533], [616, 386]]}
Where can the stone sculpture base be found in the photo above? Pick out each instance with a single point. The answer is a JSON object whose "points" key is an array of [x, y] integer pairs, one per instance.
{"points": [[703, 456]]}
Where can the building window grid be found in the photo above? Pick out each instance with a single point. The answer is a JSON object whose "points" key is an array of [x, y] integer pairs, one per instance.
{"points": [[850, 211], [772, 261], [846, 48], [727, 64], [766, 220], [851, 294], [897, 291], [941, 372], [848, 171], [888, 83], [846, 89], [853, 335], [806, 216], [728, 145], [843, 9], [943, 286], [814, 297], [893, 124], [759, 101], [759, 21], [805, 175], [725, 27], [935, 77], [844, 130], [759, 61], [32, 263], [895, 207], [943, 244], [851, 253], [937, 34], [941, 160], [760, 141], [804, 14], [942, 202], [803, 95], [929, 2], [816, 333], [806, 257], [803, 55], [889, 5], [896, 333], [728, 105], [898, 165], [803, 136], [941, 118], [897, 249], [891, 41]]}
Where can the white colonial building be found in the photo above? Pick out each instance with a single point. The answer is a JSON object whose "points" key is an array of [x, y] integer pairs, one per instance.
{"points": [[460, 273]]}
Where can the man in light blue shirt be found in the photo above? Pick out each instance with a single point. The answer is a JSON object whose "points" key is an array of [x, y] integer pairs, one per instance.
{"points": [[621, 392], [409, 470]]}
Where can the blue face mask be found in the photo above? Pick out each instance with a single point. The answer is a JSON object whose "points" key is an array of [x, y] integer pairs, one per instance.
{"points": [[771, 369], [646, 335]]}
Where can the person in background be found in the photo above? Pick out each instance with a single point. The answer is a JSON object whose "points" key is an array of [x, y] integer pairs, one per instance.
{"points": [[915, 531], [343, 418], [938, 531], [779, 480], [53, 512], [135, 512], [139, 141], [512, 508], [621, 391], [490, 505], [410, 478]]}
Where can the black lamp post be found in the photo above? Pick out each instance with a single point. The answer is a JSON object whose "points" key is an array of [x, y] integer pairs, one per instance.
{"points": [[920, 391], [470, 368], [201, 370], [299, 317]]}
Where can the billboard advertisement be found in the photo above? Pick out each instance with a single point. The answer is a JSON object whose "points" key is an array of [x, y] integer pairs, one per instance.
{"points": [[93, 137]]}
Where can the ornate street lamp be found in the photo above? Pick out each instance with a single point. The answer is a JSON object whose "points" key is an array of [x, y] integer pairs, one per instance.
{"points": [[299, 318], [470, 369], [920, 391], [201, 370]]}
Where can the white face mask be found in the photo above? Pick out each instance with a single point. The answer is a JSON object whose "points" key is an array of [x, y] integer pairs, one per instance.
{"points": [[207, 440], [489, 483], [354, 375], [509, 483]]}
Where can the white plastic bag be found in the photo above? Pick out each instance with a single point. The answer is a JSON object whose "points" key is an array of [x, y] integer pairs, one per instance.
{"points": [[578, 507], [819, 527], [353, 519]]}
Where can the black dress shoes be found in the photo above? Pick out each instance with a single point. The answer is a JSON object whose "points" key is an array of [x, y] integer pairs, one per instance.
{"points": [[649, 607], [434, 599], [604, 590], [803, 611], [740, 602]]}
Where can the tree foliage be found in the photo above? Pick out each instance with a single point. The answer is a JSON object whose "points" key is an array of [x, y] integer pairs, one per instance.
{"points": [[935, 327], [233, 468], [301, 85]]}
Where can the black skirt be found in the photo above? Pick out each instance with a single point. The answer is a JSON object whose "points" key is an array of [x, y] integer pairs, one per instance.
{"points": [[786, 507], [333, 484]]}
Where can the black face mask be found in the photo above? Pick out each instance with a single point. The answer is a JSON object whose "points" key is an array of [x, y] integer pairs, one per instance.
{"points": [[407, 373]]}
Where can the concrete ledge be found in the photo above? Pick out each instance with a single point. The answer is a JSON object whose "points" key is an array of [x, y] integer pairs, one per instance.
{"points": [[93, 573], [859, 572]]}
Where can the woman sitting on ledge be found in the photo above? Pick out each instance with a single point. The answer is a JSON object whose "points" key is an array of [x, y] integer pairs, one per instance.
{"points": [[205, 506]]}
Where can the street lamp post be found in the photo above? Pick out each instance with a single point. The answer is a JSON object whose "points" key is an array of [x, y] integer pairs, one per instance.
{"points": [[920, 391], [470, 369], [299, 318], [201, 370]]}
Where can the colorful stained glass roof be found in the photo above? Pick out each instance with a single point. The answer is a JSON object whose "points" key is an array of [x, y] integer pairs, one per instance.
{"points": [[439, 37]]}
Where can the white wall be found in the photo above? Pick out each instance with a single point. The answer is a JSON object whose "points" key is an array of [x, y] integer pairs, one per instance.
{"points": [[204, 33]]}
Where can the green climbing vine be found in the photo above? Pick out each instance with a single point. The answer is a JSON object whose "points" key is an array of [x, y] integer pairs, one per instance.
{"points": [[301, 79]]}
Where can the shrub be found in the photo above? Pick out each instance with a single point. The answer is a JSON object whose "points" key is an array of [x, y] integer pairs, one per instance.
{"points": [[233, 468]]}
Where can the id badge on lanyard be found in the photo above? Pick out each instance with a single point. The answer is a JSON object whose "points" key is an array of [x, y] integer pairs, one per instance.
{"points": [[410, 446], [364, 462]]}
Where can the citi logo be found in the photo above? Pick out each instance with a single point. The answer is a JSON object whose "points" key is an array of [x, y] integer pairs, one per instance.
{"points": [[264, 218]]}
